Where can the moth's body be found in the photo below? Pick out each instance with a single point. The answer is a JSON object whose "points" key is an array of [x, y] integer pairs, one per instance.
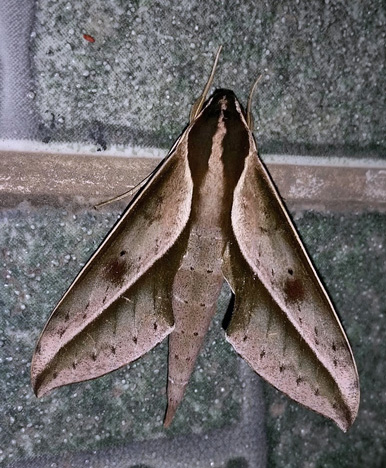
{"points": [[209, 212], [199, 278]]}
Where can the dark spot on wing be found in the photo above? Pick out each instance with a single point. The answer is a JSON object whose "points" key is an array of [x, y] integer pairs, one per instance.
{"points": [[290, 271], [299, 380], [135, 339], [115, 271], [262, 354], [333, 347], [55, 374], [281, 368], [74, 365], [67, 317], [155, 326], [94, 356], [123, 252], [316, 392], [113, 350], [293, 290]]}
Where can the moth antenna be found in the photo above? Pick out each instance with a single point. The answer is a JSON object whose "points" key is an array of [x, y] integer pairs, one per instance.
{"points": [[249, 104], [123, 195], [129, 192], [137, 187], [197, 106]]}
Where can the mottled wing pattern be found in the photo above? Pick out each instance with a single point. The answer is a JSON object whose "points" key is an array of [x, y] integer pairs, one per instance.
{"points": [[119, 306], [283, 323]]}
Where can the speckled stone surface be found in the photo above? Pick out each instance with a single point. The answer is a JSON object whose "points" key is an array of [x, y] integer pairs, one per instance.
{"points": [[322, 62]]}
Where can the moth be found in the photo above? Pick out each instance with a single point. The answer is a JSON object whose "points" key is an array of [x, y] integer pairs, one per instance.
{"points": [[208, 213]]}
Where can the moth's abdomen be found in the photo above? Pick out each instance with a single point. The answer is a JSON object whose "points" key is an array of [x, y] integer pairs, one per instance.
{"points": [[196, 287]]}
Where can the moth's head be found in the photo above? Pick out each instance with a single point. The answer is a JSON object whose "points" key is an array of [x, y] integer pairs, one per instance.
{"points": [[224, 101]]}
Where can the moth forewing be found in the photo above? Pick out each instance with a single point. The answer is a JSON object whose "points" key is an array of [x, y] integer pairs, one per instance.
{"points": [[91, 331], [284, 323]]}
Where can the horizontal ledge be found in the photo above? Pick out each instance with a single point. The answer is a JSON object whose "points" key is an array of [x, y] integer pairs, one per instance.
{"points": [[84, 179], [32, 147]]}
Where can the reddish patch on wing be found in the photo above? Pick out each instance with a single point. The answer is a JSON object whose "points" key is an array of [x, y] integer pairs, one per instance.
{"points": [[293, 289], [115, 271]]}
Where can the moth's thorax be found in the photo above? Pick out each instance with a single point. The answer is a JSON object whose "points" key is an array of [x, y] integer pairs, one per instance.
{"points": [[218, 145]]}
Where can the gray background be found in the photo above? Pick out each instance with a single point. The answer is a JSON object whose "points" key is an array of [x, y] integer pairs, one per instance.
{"points": [[322, 62]]}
